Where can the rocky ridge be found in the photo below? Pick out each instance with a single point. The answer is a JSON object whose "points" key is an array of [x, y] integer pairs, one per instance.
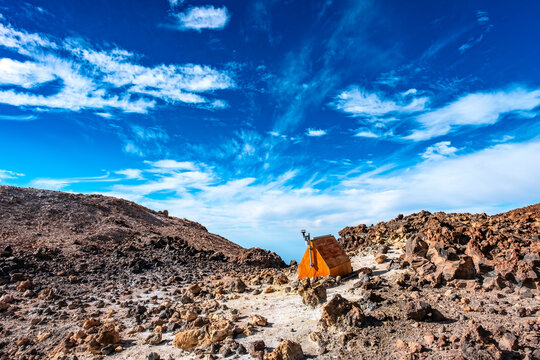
{"points": [[442, 247]]}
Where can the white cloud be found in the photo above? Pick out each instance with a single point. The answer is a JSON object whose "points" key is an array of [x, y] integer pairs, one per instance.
{"points": [[503, 139], [23, 42], [482, 17], [131, 148], [207, 17], [25, 74], [489, 180], [409, 92], [439, 151], [366, 134], [152, 134], [105, 115], [167, 165], [359, 102], [482, 108], [175, 3], [7, 174], [100, 79], [315, 132], [131, 173], [51, 184]]}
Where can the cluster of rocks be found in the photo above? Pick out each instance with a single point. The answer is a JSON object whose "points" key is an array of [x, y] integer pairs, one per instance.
{"points": [[260, 257], [442, 247]]}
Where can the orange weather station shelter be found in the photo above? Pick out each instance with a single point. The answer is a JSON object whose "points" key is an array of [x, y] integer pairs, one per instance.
{"points": [[324, 256]]}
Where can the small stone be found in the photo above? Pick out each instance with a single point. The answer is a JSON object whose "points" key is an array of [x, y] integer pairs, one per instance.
{"points": [[400, 345], [153, 356], [508, 342], [42, 336], [22, 341], [195, 289], [153, 339], [108, 349], [24, 285], [429, 338], [286, 350], [415, 347], [256, 349], [90, 323], [417, 310], [257, 320], [380, 258]]}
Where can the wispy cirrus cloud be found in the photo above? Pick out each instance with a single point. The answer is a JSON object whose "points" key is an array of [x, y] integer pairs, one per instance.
{"points": [[87, 78], [60, 184], [203, 17], [131, 173], [315, 132], [482, 19], [18, 117], [359, 102], [275, 208], [366, 134], [439, 151], [473, 109], [7, 174], [476, 109]]}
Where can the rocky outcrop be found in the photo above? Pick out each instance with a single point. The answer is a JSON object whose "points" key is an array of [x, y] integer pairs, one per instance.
{"points": [[460, 246], [261, 258]]}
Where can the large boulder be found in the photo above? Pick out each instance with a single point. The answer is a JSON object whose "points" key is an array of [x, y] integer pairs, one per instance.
{"points": [[286, 350], [237, 285], [459, 269], [189, 339], [416, 246], [313, 296], [341, 313], [420, 311], [215, 330]]}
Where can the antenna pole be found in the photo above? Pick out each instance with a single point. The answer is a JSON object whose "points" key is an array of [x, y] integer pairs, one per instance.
{"points": [[307, 239]]}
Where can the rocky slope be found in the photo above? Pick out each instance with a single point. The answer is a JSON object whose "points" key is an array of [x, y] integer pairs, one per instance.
{"points": [[441, 247], [91, 277], [34, 218]]}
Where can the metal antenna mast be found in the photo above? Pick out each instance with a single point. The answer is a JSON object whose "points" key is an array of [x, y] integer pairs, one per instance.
{"points": [[307, 239]]}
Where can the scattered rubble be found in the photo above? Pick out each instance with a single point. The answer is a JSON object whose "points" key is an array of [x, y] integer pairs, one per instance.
{"points": [[113, 280]]}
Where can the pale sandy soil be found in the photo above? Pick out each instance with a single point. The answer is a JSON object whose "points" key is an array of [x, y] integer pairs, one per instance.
{"points": [[288, 317]]}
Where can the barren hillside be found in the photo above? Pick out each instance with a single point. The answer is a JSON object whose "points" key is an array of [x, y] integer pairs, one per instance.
{"points": [[93, 277]]}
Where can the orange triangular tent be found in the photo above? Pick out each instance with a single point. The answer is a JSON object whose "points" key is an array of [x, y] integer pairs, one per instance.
{"points": [[327, 257]]}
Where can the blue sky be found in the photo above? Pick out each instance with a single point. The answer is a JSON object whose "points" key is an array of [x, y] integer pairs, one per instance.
{"points": [[259, 118]]}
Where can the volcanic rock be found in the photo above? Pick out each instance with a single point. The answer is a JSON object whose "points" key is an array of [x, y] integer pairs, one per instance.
{"points": [[313, 296], [286, 350], [260, 257], [256, 349], [341, 313], [237, 285], [257, 320]]}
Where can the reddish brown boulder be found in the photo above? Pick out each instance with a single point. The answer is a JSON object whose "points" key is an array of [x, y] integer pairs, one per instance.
{"points": [[341, 313]]}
